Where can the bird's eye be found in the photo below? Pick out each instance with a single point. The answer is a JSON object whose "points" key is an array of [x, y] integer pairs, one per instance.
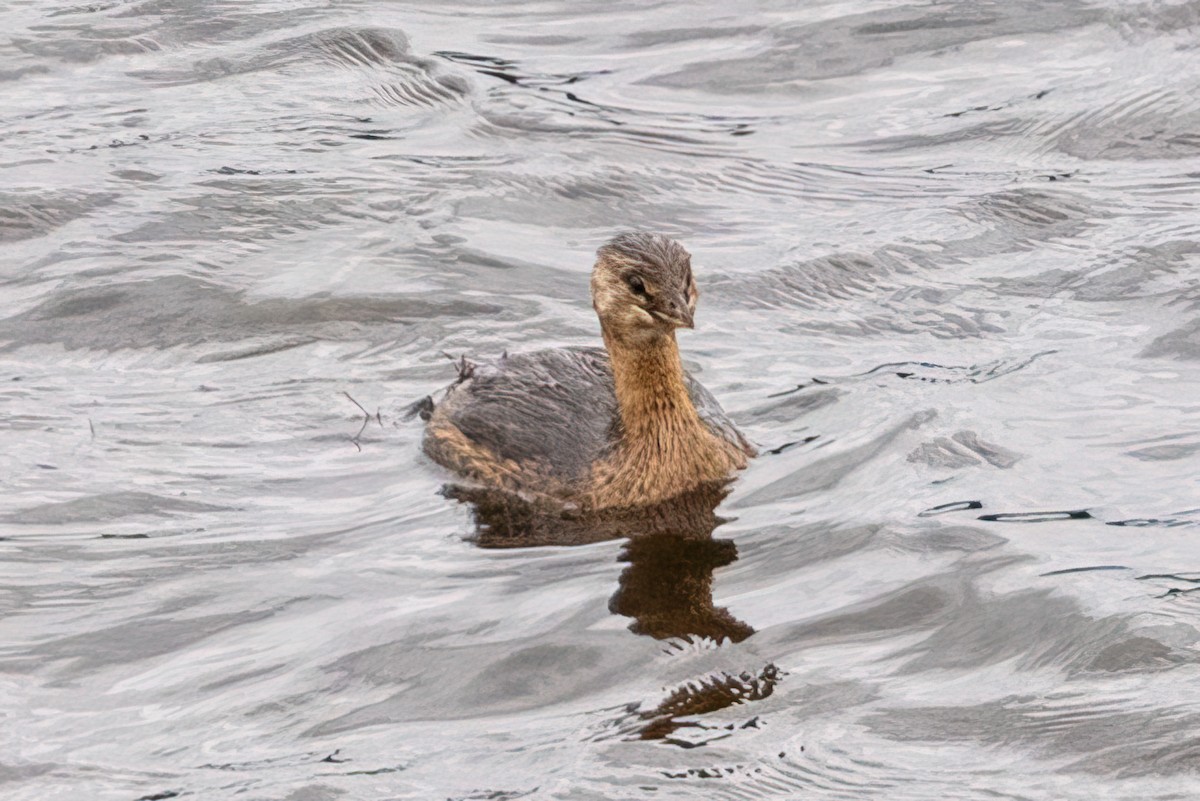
{"points": [[635, 283]]}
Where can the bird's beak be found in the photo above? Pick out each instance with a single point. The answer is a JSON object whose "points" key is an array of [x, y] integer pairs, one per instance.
{"points": [[684, 319], [677, 314]]}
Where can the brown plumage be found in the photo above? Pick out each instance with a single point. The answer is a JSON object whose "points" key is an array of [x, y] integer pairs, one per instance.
{"points": [[626, 426]]}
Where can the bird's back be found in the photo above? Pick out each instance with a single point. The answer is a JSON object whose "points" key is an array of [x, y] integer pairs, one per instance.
{"points": [[539, 421]]}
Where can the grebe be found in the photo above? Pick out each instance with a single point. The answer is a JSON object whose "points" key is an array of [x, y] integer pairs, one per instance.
{"points": [[623, 426]]}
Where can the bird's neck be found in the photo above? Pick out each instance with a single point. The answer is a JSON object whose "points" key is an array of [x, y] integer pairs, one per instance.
{"points": [[665, 449], [651, 390]]}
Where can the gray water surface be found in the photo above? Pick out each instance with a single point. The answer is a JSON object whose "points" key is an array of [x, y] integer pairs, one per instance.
{"points": [[949, 258]]}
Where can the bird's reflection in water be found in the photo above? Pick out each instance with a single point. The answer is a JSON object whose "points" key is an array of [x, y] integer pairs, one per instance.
{"points": [[666, 588]]}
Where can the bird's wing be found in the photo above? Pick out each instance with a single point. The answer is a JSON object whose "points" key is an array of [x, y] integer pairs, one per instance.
{"points": [[554, 409]]}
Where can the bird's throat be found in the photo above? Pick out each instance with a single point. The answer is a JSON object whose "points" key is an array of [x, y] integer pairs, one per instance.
{"points": [[665, 448], [652, 391]]}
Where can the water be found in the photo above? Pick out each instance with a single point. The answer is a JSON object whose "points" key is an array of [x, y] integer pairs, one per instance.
{"points": [[949, 258]]}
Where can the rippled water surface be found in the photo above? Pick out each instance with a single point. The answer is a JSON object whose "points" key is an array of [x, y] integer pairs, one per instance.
{"points": [[949, 257]]}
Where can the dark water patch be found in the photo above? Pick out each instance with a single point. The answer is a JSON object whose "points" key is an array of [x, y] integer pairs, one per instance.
{"points": [[124, 643], [246, 676], [933, 373], [513, 73], [1143, 22], [465, 682], [882, 293], [303, 758], [954, 506], [934, 318], [931, 22], [984, 129], [825, 473], [1177, 584], [1183, 343], [506, 274], [911, 608], [403, 79], [662, 36], [89, 8], [1000, 106], [302, 135], [1036, 629], [1020, 219], [521, 100], [359, 47], [116, 143], [29, 215], [963, 449], [10, 773], [189, 552], [416, 93], [576, 195], [812, 182], [83, 49], [772, 555], [854, 44], [1102, 739], [1159, 124], [947, 539], [1165, 453], [820, 282], [1184, 584], [775, 552], [264, 349], [1037, 517], [534, 39], [551, 115], [994, 455], [778, 449], [1194, 579], [495, 795], [1157, 522], [792, 405], [970, 630], [391, 72], [136, 175], [18, 73], [238, 171], [111, 506], [248, 209], [176, 310], [1162, 271], [823, 771], [199, 27], [1093, 569], [1135, 654]]}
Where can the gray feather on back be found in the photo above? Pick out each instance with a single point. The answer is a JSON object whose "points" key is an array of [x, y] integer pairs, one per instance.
{"points": [[556, 408]]}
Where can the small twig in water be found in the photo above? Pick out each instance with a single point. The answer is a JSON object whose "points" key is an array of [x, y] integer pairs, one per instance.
{"points": [[366, 420], [356, 403]]}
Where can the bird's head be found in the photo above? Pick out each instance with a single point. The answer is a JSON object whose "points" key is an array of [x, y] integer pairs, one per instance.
{"points": [[642, 287]]}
